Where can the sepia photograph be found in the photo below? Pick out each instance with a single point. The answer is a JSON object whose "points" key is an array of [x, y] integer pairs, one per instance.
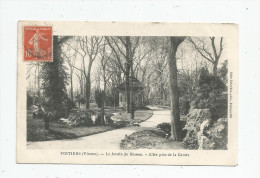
{"points": [[129, 92]]}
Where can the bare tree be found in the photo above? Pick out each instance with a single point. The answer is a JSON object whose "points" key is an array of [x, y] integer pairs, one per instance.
{"points": [[34, 70], [209, 51], [87, 48], [159, 64], [104, 60], [175, 110], [125, 47], [113, 70], [70, 59]]}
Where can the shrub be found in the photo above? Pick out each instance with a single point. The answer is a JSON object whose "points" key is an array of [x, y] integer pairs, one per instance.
{"points": [[69, 105], [108, 119], [109, 100], [184, 105], [209, 95], [218, 106], [98, 119], [29, 100], [36, 111], [165, 127], [80, 118], [82, 100], [99, 97], [121, 123], [190, 141], [217, 135]]}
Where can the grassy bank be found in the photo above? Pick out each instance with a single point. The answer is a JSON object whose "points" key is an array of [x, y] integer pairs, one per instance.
{"points": [[149, 139], [59, 130]]}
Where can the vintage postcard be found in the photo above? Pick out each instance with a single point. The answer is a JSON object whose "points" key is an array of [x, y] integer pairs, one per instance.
{"points": [[127, 93]]}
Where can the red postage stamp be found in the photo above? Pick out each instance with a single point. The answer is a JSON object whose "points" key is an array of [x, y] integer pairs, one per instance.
{"points": [[38, 43]]}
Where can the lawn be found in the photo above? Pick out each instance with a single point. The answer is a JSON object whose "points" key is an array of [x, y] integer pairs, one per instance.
{"points": [[59, 130]]}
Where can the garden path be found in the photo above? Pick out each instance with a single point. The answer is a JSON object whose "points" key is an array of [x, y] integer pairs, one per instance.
{"points": [[105, 140]]}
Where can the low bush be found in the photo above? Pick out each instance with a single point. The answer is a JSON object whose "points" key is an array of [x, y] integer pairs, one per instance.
{"points": [[165, 127], [210, 94], [29, 100], [217, 136], [184, 105], [98, 119], [79, 118], [37, 112], [119, 124], [99, 97], [107, 119], [191, 141]]}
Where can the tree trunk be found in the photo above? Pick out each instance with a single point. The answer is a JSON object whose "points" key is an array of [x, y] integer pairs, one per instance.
{"points": [[175, 110], [161, 89], [103, 101], [130, 59], [88, 91], [215, 67], [127, 74], [132, 93], [71, 86]]}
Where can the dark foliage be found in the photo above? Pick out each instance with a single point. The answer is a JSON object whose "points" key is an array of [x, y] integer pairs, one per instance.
{"points": [[144, 108], [54, 79], [99, 97], [98, 118], [217, 136], [191, 141], [110, 100], [82, 100], [210, 94], [108, 119], [184, 105], [79, 118], [165, 127], [222, 72], [29, 100]]}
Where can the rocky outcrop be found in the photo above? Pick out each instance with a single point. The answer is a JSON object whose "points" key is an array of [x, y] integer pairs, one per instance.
{"points": [[203, 133]]}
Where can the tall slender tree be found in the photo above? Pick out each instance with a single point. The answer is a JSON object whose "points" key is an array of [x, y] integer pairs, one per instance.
{"points": [[88, 48], [125, 46], [70, 59], [54, 83]]}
